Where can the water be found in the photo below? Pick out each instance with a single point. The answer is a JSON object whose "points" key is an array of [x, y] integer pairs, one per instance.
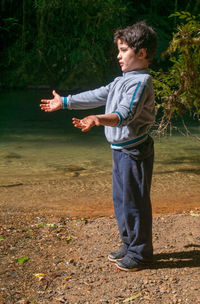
{"points": [[46, 162]]}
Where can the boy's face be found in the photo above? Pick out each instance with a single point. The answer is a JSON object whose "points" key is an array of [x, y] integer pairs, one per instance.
{"points": [[128, 60]]}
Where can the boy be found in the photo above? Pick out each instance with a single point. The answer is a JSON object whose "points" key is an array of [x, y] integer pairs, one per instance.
{"points": [[129, 115]]}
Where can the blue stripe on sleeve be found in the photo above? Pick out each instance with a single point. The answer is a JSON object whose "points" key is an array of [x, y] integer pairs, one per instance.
{"points": [[131, 104], [132, 101], [134, 94]]}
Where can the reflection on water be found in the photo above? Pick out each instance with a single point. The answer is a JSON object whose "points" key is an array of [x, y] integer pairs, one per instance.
{"points": [[45, 150]]}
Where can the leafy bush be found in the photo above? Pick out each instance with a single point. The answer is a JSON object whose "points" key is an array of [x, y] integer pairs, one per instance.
{"points": [[177, 90]]}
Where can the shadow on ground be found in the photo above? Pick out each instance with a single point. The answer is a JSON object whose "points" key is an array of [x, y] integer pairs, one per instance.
{"points": [[177, 259]]}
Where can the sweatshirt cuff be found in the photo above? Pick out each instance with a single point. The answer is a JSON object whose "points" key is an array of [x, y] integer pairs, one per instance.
{"points": [[120, 118], [64, 102]]}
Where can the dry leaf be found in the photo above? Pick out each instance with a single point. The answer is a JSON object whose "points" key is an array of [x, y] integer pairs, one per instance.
{"points": [[132, 298], [40, 276]]}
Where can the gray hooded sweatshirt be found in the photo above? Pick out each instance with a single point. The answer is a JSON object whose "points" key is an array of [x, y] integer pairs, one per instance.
{"points": [[131, 97]]}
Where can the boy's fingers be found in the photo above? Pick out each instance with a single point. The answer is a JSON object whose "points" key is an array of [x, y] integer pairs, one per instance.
{"points": [[85, 129], [54, 93], [44, 108], [44, 105], [76, 122], [79, 123], [78, 126]]}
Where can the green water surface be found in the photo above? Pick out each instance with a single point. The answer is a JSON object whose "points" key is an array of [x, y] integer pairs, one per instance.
{"points": [[33, 142]]}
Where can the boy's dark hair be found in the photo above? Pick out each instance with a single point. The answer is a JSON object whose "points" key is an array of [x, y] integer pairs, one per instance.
{"points": [[139, 36]]}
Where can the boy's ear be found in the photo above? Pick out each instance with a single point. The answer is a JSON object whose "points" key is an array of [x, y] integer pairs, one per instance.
{"points": [[142, 54]]}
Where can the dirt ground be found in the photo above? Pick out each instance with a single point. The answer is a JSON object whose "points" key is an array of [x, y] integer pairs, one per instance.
{"points": [[50, 258]]}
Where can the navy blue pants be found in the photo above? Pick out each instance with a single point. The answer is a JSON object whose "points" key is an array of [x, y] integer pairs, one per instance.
{"points": [[132, 175]]}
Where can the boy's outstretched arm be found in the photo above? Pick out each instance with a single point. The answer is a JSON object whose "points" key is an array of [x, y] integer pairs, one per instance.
{"points": [[88, 122], [51, 105]]}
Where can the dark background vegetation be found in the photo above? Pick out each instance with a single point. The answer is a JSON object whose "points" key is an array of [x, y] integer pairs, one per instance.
{"points": [[69, 44]]}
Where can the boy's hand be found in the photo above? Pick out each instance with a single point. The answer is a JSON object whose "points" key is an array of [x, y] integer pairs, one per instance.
{"points": [[86, 123], [51, 105]]}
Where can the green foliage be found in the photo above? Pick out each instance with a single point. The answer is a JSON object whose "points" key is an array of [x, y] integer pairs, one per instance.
{"points": [[68, 239], [69, 44], [177, 89], [22, 260], [79, 48]]}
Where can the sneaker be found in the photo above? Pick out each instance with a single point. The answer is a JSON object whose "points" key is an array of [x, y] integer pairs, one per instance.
{"points": [[129, 264], [117, 256]]}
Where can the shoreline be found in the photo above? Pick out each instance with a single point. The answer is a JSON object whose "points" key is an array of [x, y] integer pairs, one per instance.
{"points": [[83, 206], [86, 197]]}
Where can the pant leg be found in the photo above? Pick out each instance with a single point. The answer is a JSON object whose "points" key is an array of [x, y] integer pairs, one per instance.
{"points": [[132, 204], [117, 185]]}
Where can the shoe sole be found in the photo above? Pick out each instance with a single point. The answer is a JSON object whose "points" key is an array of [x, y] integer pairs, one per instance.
{"points": [[113, 260], [129, 269]]}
